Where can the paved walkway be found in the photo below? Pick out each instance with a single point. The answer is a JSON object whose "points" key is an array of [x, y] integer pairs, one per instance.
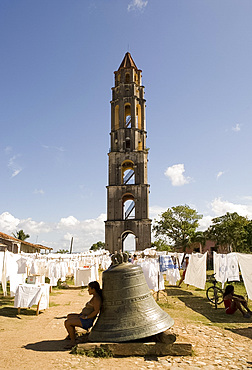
{"points": [[32, 342]]}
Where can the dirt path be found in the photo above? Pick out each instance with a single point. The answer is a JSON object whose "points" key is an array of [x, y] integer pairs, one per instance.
{"points": [[36, 342]]}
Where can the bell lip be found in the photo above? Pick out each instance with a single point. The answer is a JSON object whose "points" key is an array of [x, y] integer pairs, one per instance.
{"points": [[99, 338]]}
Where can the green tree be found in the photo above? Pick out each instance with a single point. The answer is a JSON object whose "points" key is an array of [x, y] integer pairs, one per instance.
{"points": [[248, 229], [62, 251], [97, 246], [178, 225], [199, 237], [161, 245], [229, 230], [20, 235]]}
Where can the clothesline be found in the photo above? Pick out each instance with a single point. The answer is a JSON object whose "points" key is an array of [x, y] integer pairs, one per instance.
{"points": [[16, 267], [226, 268]]}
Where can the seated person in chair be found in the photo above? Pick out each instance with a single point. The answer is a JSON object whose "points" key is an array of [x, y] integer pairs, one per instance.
{"points": [[233, 302], [87, 316]]}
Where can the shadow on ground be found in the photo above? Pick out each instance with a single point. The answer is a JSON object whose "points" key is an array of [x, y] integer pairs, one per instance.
{"points": [[47, 346], [12, 312], [204, 307], [7, 309], [245, 332]]}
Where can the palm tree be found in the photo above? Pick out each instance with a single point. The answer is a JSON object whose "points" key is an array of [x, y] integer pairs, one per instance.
{"points": [[199, 237], [20, 235]]}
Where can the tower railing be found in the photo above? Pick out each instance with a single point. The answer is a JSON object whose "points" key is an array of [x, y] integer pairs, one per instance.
{"points": [[128, 176], [128, 121], [129, 210]]}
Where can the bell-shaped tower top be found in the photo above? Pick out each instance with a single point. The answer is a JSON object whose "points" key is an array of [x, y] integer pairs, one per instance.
{"points": [[128, 62], [128, 72]]}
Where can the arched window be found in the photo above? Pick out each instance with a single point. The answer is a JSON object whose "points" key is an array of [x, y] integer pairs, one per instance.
{"points": [[127, 78], [117, 117], [128, 206], [127, 115], [138, 117], [127, 143], [128, 242], [128, 172]]}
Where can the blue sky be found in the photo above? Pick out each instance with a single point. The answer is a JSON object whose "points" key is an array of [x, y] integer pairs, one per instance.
{"points": [[56, 72]]}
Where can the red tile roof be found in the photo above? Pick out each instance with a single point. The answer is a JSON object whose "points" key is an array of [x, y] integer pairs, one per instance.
{"points": [[128, 62], [38, 246]]}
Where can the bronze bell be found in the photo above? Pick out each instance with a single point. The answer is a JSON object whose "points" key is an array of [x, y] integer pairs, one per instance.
{"points": [[129, 311]]}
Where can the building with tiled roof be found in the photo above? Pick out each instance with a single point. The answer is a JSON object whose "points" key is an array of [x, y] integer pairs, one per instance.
{"points": [[15, 245]]}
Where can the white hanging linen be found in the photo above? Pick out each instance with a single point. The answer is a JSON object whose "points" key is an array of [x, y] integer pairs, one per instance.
{"points": [[232, 267], [28, 295], [1, 264], [153, 277], [21, 262], [83, 276], [173, 275], [226, 267], [245, 263], [4, 277], [220, 267], [12, 272], [196, 270]]}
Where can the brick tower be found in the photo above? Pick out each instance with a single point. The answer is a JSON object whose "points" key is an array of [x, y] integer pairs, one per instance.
{"points": [[128, 190]]}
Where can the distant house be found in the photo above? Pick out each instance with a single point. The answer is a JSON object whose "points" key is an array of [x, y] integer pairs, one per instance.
{"points": [[16, 245], [210, 246]]}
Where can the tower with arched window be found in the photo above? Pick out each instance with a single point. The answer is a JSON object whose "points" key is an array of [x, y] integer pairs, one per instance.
{"points": [[127, 190]]}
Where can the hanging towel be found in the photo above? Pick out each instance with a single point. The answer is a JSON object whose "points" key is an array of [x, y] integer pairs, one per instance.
{"points": [[245, 263], [165, 263], [220, 267], [232, 267], [4, 278], [196, 270]]}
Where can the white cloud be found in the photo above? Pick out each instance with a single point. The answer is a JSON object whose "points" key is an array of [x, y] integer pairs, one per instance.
{"points": [[176, 175], [39, 191], [8, 150], [221, 207], [68, 236], [57, 148], [247, 197], [137, 5], [14, 166], [204, 223], [70, 221], [8, 223], [156, 211], [33, 227], [58, 234], [237, 127], [219, 174]]}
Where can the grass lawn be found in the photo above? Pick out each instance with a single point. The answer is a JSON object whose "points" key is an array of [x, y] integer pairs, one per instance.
{"points": [[191, 305]]}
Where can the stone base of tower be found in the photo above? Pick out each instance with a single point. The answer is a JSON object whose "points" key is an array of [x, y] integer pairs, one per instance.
{"points": [[115, 231]]}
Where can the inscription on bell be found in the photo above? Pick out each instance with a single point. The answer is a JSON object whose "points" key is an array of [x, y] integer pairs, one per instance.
{"points": [[129, 310]]}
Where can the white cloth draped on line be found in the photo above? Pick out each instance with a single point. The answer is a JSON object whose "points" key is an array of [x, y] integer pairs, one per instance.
{"points": [[232, 267], [226, 267], [83, 276], [220, 267], [153, 277], [196, 270], [245, 263], [28, 295]]}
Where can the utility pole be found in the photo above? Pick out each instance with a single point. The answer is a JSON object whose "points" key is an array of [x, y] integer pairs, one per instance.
{"points": [[71, 246]]}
